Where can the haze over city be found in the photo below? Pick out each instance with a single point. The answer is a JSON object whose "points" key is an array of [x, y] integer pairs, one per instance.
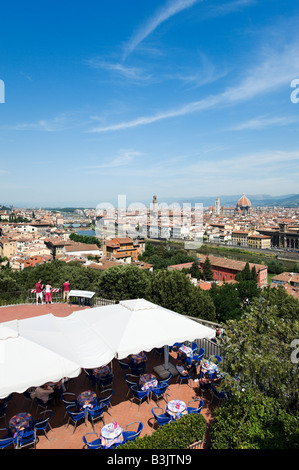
{"points": [[181, 98]]}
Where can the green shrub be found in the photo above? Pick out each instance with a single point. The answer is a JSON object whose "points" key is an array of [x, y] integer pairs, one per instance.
{"points": [[175, 435]]}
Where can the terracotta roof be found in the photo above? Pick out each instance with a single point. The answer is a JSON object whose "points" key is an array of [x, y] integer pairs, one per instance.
{"points": [[244, 202], [81, 247]]}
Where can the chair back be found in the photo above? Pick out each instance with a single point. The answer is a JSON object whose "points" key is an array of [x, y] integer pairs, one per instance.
{"points": [[165, 381], [124, 365], [137, 370], [42, 423], [107, 380], [160, 390], [138, 393]]}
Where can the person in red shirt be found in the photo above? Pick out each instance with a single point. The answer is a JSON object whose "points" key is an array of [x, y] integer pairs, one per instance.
{"points": [[66, 290], [39, 291]]}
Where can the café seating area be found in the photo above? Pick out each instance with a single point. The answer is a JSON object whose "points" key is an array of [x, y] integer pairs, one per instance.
{"points": [[105, 407]]}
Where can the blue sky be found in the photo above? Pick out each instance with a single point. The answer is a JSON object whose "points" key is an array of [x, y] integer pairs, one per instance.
{"points": [[180, 98]]}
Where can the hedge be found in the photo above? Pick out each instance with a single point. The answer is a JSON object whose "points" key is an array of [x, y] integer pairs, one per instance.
{"points": [[178, 434]]}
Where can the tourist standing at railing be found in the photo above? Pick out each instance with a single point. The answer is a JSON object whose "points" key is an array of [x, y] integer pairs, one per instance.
{"points": [[66, 291], [39, 291], [48, 293]]}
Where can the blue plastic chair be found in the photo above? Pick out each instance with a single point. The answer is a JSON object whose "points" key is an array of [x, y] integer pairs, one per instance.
{"points": [[69, 399], [195, 410], [158, 393], [106, 381], [41, 404], [123, 365], [74, 416], [218, 394], [25, 439], [6, 440], [183, 378], [106, 401], [162, 418], [198, 357], [96, 413], [92, 444], [42, 424], [138, 395], [194, 346], [130, 385], [177, 345], [132, 435], [3, 412], [137, 370]]}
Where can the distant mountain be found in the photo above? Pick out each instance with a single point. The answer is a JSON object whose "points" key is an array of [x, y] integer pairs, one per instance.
{"points": [[290, 200]]}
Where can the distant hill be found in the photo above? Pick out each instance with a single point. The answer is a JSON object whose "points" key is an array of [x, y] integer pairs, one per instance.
{"points": [[287, 200]]}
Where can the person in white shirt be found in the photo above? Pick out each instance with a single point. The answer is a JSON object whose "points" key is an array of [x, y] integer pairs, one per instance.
{"points": [[44, 392], [187, 369]]}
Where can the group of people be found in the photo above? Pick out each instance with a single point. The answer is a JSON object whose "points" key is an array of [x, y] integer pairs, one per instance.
{"points": [[184, 368], [40, 289]]}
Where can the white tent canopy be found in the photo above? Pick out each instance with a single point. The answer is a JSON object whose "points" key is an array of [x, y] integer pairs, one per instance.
{"points": [[47, 348], [138, 325]]}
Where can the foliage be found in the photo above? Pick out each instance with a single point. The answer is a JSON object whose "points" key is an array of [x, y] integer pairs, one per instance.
{"points": [[207, 272], [257, 347], [123, 282], [227, 301], [195, 270], [252, 420], [161, 256], [175, 435], [173, 290], [85, 239]]}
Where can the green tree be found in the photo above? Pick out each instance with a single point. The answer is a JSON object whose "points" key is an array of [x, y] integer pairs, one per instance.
{"points": [[207, 272], [173, 290], [258, 348], [227, 302], [252, 420], [195, 270], [123, 282]]}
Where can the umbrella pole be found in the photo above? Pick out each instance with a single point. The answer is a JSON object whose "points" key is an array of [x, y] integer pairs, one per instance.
{"points": [[166, 357]]}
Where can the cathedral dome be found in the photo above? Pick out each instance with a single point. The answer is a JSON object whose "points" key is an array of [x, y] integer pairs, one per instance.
{"points": [[243, 202]]}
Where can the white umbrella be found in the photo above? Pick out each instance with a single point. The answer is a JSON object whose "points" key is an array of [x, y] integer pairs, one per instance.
{"points": [[46, 348], [138, 325]]}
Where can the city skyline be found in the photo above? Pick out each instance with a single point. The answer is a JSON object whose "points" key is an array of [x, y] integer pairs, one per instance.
{"points": [[180, 98]]}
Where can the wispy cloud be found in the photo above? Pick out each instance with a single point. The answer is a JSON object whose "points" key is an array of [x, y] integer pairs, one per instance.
{"points": [[132, 73], [170, 9], [275, 69], [261, 122], [124, 158]]}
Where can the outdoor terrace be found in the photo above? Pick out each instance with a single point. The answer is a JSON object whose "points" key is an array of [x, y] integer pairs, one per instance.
{"points": [[122, 410]]}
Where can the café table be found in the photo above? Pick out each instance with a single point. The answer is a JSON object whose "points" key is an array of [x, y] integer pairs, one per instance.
{"points": [[102, 371], [20, 423], [147, 382], [185, 353], [176, 409], [111, 434], [87, 400], [209, 366], [139, 358]]}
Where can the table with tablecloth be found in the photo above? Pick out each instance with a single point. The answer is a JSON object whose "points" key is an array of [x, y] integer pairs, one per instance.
{"points": [[176, 409], [19, 423], [185, 354], [101, 372], [86, 400], [209, 366], [111, 434], [148, 381], [139, 358]]}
